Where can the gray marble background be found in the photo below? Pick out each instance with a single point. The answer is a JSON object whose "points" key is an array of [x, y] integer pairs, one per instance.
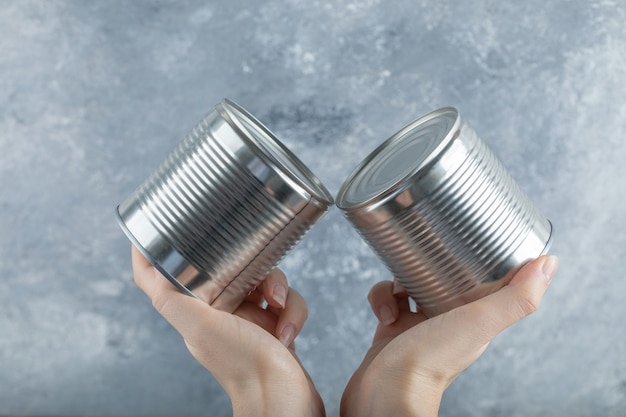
{"points": [[93, 95]]}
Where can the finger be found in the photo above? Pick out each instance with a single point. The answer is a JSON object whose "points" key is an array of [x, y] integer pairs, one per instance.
{"points": [[382, 296], [521, 297], [383, 303], [145, 275], [253, 313], [255, 297], [275, 288], [292, 317], [398, 289], [402, 297]]}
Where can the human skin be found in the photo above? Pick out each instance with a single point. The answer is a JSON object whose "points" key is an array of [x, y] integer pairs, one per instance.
{"points": [[411, 362], [250, 352], [413, 359]]}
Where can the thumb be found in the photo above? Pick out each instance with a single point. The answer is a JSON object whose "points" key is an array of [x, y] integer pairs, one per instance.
{"points": [[195, 320], [521, 297]]}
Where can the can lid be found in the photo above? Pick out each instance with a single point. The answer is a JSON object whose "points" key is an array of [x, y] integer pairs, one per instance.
{"points": [[389, 167], [276, 155]]}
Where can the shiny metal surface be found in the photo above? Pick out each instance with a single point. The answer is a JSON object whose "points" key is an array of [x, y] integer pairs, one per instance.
{"points": [[223, 208], [442, 212]]}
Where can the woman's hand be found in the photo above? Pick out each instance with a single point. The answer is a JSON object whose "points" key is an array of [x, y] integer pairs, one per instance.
{"points": [[413, 359], [250, 352]]}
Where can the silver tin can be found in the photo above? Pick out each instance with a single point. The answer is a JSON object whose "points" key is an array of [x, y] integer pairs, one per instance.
{"points": [[223, 208], [442, 213]]}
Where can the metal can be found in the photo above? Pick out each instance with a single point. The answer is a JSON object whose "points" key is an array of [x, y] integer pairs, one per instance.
{"points": [[223, 208], [442, 213]]}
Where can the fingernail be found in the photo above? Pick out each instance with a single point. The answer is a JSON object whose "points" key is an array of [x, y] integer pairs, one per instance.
{"points": [[549, 267], [386, 315], [287, 335], [397, 288], [280, 294]]}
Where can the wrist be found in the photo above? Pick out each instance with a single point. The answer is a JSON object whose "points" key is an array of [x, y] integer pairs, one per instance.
{"points": [[400, 394], [281, 404], [287, 398], [416, 402]]}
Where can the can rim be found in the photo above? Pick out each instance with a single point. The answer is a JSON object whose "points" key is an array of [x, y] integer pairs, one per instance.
{"points": [[274, 153], [548, 245], [381, 196], [121, 221]]}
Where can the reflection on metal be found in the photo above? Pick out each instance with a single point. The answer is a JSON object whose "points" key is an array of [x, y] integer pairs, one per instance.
{"points": [[223, 208], [442, 212]]}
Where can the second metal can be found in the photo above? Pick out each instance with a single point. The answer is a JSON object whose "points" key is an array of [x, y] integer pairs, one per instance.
{"points": [[442, 212]]}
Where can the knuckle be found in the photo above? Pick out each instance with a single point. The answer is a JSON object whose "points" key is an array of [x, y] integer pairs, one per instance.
{"points": [[380, 289], [160, 301], [297, 300], [136, 280], [305, 311], [370, 297], [527, 304]]}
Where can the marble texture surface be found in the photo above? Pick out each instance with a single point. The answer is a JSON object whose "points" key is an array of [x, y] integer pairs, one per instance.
{"points": [[94, 94]]}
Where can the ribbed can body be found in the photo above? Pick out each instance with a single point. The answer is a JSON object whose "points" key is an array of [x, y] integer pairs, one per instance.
{"points": [[454, 226], [223, 208]]}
